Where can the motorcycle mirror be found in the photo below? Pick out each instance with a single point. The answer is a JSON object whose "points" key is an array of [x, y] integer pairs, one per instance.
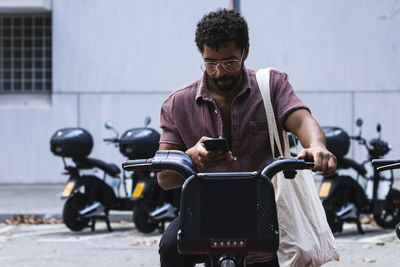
{"points": [[378, 128], [359, 122], [109, 125], [147, 121]]}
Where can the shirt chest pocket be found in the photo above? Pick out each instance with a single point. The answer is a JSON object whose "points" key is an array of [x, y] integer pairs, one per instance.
{"points": [[261, 125], [259, 133]]}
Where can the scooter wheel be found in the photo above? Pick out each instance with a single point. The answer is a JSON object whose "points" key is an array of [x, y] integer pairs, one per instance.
{"points": [[390, 214], [398, 231], [141, 216], [331, 206], [71, 216]]}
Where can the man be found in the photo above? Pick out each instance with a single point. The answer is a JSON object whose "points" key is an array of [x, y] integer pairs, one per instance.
{"points": [[226, 101]]}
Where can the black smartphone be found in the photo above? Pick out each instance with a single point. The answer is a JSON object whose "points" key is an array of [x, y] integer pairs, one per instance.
{"points": [[216, 144]]}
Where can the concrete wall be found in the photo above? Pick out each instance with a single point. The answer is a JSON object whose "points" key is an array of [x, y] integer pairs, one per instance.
{"points": [[342, 57], [118, 60]]}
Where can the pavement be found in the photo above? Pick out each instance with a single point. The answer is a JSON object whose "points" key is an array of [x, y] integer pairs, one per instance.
{"points": [[50, 244], [42, 200]]}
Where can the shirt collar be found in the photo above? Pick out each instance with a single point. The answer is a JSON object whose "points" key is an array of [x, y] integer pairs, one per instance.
{"points": [[202, 90]]}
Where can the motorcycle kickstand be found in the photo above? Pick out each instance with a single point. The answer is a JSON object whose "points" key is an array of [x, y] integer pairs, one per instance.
{"points": [[108, 222], [359, 227], [105, 217], [93, 224]]}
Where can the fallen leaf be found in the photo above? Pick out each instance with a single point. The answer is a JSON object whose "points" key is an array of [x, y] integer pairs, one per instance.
{"points": [[33, 219], [368, 219], [149, 242], [369, 260], [135, 243], [8, 235], [123, 222]]}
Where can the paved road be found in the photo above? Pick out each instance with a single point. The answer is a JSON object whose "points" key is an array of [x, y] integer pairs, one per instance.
{"points": [[55, 245]]}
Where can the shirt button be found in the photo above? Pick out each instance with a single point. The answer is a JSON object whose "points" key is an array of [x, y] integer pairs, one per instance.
{"points": [[235, 158], [216, 112]]}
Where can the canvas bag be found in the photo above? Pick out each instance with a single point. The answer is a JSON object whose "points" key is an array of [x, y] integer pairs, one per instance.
{"points": [[304, 233]]}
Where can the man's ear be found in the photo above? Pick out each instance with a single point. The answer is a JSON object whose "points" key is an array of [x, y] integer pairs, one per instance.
{"points": [[246, 51]]}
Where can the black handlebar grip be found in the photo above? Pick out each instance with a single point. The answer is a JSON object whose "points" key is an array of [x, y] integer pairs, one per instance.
{"points": [[154, 164], [389, 167], [138, 164], [113, 140], [286, 165], [383, 162]]}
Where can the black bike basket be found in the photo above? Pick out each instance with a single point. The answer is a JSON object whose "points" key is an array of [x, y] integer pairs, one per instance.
{"points": [[221, 213]]}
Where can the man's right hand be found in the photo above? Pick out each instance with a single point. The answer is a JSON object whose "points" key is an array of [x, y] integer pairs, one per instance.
{"points": [[203, 158], [200, 157]]}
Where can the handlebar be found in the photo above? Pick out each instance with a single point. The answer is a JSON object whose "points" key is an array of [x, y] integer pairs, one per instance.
{"points": [[386, 164], [112, 140], [173, 160], [360, 139], [286, 165], [180, 162]]}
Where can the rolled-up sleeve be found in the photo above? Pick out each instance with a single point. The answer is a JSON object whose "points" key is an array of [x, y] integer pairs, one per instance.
{"points": [[170, 133], [283, 97]]}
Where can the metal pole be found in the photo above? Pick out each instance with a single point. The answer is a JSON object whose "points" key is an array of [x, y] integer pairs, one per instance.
{"points": [[234, 4]]}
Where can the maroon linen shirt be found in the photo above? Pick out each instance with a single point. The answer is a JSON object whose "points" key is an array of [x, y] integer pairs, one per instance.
{"points": [[190, 113]]}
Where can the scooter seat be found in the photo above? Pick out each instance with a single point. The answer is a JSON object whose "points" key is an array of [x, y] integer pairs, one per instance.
{"points": [[109, 168]]}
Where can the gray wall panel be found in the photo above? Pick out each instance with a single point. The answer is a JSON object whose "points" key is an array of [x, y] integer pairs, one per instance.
{"points": [[327, 45], [139, 46], [125, 110], [25, 140], [380, 108]]}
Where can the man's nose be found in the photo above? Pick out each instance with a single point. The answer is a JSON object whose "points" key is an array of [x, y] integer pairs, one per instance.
{"points": [[220, 69]]}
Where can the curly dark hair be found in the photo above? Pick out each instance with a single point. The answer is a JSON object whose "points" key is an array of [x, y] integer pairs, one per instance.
{"points": [[219, 27]]}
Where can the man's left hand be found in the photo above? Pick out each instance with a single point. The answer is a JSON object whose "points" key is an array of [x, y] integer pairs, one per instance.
{"points": [[324, 160]]}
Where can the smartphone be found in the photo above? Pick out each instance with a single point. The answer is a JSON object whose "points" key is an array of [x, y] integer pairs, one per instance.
{"points": [[216, 144]]}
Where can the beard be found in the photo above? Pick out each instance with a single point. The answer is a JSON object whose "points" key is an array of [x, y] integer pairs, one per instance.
{"points": [[226, 82]]}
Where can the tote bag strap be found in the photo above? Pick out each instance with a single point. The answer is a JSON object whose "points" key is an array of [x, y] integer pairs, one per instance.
{"points": [[263, 78]]}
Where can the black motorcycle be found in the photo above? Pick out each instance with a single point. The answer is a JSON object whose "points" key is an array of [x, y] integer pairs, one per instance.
{"points": [[93, 187], [345, 197], [384, 165], [216, 219], [153, 206]]}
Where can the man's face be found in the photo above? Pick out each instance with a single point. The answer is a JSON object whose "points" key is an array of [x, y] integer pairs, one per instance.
{"points": [[224, 78]]}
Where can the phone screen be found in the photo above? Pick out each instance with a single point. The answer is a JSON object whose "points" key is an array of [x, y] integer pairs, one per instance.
{"points": [[216, 144]]}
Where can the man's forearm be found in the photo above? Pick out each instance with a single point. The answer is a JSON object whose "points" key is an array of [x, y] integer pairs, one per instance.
{"points": [[303, 125], [310, 134]]}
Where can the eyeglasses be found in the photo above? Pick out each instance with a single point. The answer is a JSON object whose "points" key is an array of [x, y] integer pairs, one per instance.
{"points": [[231, 65]]}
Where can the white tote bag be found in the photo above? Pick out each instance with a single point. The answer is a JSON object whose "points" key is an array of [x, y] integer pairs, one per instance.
{"points": [[305, 236]]}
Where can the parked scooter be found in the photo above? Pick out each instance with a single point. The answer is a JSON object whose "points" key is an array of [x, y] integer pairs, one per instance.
{"points": [[93, 187], [384, 165], [153, 206], [345, 197], [215, 219]]}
